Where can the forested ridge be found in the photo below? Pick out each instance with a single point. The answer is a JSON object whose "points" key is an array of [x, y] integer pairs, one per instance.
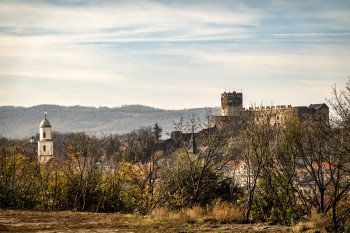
{"points": [[20, 122]]}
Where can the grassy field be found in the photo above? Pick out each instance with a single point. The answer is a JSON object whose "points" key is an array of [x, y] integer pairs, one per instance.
{"points": [[67, 221]]}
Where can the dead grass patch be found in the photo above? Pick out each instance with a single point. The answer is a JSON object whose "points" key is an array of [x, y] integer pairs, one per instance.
{"points": [[314, 223], [161, 213], [224, 212], [195, 213], [183, 216], [221, 212]]}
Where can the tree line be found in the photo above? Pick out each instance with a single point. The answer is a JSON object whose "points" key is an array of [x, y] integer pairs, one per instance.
{"points": [[287, 171]]}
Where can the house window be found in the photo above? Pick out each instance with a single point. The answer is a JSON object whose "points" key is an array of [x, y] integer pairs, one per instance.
{"points": [[44, 148]]}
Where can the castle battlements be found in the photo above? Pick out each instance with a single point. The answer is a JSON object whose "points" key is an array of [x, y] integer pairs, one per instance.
{"points": [[233, 112], [269, 108]]}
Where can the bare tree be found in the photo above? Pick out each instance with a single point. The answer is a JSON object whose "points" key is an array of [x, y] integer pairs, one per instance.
{"points": [[276, 194], [196, 166], [341, 105], [145, 159], [83, 154]]}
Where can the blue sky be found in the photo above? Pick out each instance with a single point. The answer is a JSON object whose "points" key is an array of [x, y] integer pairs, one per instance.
{"points": [[172, 54]]}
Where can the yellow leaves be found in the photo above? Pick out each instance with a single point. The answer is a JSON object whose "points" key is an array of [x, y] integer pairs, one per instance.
{"points": [[73, 153], [70, 148], [17, 161], [21, 159], [177, 198], [128, 171]]}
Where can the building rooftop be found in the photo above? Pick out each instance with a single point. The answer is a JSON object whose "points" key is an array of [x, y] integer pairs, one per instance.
{"points": [[317, 106]]}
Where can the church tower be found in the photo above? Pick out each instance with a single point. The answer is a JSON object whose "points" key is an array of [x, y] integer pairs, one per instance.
{"points": [[45, 143]]}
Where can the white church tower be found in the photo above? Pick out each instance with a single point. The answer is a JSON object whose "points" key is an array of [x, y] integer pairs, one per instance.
{"points": [[45, 143]]}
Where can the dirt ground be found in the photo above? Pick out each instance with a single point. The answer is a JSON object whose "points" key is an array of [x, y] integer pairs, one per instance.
{"points": [[67, 221]]}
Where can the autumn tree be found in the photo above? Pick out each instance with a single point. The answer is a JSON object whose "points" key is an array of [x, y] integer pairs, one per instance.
{"points": [[18, 183]]}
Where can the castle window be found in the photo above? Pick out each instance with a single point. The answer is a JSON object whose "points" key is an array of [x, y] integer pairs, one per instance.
{"points": [[44, 148], [278, 117], [44, 135]]}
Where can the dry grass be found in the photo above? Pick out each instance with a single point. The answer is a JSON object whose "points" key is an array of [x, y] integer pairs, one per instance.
{"points": [[221, 212], [183, 216], [314, 223], [161, 220], [161, 214], [195, 212], [224, 212], [321, 221]]}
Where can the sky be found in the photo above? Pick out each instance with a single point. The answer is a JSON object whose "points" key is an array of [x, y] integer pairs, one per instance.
{"points": [[172, 54]]}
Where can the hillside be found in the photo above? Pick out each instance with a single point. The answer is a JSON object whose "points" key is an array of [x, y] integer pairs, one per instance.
{"points": [[21, 122]]}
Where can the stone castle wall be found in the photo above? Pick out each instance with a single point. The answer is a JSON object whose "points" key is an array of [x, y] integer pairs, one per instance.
{"points": [[233, 114]]}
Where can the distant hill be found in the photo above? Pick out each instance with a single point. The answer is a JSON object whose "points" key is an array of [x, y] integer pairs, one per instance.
{"points": [[21, 122]]}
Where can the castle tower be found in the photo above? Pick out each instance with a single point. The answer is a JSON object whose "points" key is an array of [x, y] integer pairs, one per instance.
{"points": [[231, 103], [45, 143]]}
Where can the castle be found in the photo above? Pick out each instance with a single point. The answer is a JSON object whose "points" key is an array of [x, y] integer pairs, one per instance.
{"points": [[233, 113]]}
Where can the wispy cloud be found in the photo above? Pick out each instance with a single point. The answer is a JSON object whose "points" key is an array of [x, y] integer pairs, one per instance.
{"points": [[120, 52], [129, 21], [312, 34]]}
